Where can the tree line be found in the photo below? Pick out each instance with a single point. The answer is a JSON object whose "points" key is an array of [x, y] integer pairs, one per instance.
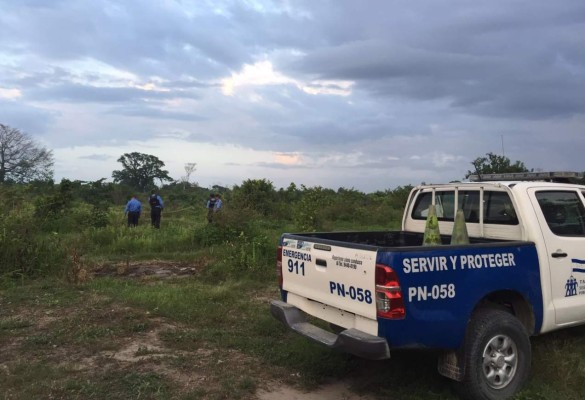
{"points": [[24, 160]]}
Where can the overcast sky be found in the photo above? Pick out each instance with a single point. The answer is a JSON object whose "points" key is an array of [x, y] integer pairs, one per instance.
{"points": [[361, 93]]}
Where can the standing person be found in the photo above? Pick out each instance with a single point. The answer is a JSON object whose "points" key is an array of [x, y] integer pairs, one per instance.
{"points": [[133, 210], [211, 207], [218, 202], [156, 207]]}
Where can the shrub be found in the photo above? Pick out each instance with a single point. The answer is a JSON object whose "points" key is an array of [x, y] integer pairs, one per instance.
{"points": [[241, 242], [257, 195], [309, 212], [25, 250]]}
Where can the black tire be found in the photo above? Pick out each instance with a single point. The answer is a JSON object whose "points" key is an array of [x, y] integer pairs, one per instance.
{"points": [[497, 356]]}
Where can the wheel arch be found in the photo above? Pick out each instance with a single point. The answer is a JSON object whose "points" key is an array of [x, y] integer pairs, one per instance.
{"points": [[451, 364], [514, 303]]}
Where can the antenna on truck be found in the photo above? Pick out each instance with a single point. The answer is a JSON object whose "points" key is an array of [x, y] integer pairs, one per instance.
{"points": [[557, 176]]}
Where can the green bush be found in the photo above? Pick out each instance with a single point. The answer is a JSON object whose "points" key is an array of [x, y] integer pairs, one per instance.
{"points": [[242, 243], [25, 250], [258, 195], [311, 210]]}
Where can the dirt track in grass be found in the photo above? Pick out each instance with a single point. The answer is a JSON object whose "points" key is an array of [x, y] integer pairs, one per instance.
{"points": [[93, 347]]}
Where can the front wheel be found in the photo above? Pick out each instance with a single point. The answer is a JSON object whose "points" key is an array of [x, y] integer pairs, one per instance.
{"points": [[497, 356]]}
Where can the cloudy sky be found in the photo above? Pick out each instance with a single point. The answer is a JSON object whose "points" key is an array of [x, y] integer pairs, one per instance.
{"points": [[341, 93]]}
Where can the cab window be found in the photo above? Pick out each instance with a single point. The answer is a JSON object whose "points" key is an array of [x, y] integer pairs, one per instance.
{"points": [[563, 212], [497, 206], [498, 209]]}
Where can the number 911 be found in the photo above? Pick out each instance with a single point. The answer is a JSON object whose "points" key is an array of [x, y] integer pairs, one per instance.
{"points": [[296, 267]]}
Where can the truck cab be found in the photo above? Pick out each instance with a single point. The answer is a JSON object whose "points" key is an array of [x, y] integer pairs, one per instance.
{"points": [[550, 214]]}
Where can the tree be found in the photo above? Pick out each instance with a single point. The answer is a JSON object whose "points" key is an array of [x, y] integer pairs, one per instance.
{"points": [[255, 194], [494, 164], [21, 158], [189, 169], [140, 171]]}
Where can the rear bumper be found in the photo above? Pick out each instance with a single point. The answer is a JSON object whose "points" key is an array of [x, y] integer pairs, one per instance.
{"points": [[350, 341]]}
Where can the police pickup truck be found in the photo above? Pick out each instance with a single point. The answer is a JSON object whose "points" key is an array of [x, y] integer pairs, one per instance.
{"points": [[522, 273]]}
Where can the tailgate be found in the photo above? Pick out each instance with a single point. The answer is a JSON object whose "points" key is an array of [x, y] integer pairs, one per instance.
{"points": [[340, 277]]}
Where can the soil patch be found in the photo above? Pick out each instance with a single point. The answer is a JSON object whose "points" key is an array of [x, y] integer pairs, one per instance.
{"points": [[333, 391], [148, 269]]}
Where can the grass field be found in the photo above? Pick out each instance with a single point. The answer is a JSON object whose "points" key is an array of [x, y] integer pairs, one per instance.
{"points": [[100, 311], [164, 336]]}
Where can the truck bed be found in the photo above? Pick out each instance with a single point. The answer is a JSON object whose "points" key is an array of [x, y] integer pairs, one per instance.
{"points": [[382, 239], [331, 276]]}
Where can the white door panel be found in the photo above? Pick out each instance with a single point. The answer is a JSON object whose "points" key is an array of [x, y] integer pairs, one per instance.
{"points": [[562, 222]]}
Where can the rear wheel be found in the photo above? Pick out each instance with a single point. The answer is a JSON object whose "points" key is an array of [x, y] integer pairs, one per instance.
{"points": [[497, 356]]}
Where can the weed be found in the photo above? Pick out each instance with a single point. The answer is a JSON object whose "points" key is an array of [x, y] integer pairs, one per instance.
{"points": [[31, 380], [143, 351], [14, 323]]}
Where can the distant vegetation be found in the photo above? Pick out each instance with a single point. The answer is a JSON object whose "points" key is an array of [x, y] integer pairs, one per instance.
{"points": [[495, 164], [47, 229]]}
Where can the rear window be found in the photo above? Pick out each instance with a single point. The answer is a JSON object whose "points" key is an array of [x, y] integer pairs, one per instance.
{"points": [[497, 206]]}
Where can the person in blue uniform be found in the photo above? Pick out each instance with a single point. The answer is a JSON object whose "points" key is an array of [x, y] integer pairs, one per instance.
{"points": [[133, 210], [156, 207], [218, 202], [211, 207]]}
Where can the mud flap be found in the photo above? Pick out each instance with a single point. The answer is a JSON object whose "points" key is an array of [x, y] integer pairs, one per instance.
{"points": [[451, 365]]}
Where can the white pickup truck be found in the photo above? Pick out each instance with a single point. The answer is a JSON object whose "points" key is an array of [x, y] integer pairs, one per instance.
{"points": [[522, 274]]}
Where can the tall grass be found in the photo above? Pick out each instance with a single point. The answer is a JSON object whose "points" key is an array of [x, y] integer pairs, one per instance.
{"points": [[25, 249], [49, 230]]}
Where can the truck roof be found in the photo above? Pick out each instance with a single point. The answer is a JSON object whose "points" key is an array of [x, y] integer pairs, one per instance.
{"points": [[509, 184], [527, 179], [551, 176]]}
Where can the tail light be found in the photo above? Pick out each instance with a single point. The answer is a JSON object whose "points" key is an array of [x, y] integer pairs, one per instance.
{"points": [[389, 300], [279, 265]]}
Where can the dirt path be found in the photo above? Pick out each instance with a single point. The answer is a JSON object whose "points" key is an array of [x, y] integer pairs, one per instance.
{"points": [[333, 391], [104, 344]]}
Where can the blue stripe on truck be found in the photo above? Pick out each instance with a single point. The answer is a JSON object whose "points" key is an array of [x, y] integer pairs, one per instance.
{"points": [[442, 285]]}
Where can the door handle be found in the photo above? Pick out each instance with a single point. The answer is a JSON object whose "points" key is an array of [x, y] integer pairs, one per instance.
{"points": [[321, 262], [559, 254]]}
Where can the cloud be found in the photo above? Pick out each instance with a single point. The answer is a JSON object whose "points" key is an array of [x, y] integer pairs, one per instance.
{"points": [[26, 117], [9, 94], [95, 94], [96, 157], [263, 74], [154, 113], [389, 93], [258, 74], [287, 158]]}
